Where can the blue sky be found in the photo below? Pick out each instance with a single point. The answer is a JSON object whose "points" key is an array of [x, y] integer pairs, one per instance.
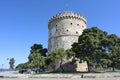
{"points": [[25, 22]]}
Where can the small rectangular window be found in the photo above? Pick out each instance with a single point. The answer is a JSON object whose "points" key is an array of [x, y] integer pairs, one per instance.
{"points": [[76, 32]]}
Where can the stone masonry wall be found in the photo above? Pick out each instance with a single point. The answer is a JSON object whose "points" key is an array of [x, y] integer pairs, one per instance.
{"points": [[64, 30]]}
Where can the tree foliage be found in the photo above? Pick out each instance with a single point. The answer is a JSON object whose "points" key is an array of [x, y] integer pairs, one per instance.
{"points": [[23, 66], [36, 58], [113, 50], [97, 47], [94, 46], [11, 62], [58, 55]]}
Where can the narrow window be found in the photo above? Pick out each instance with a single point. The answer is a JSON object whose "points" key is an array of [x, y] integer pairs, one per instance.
{"points": [[71, 23], [67, 30], [77, 24], [56, 30], [76, 32], [56, 25], [50, 34], [82, 26]]}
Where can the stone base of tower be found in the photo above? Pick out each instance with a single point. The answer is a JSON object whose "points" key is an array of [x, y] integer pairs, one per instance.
{"points": [[68, 66], [81, 67]]}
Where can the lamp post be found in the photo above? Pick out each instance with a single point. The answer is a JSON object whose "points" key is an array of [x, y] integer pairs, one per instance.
{"points": [[7, 60]]}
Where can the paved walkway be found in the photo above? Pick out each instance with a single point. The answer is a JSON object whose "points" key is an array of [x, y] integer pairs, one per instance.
{"points": [[79, 76], [59, 79]]}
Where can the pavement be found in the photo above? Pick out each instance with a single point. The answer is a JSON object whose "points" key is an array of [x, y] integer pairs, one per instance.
{"points": [[12, 74]]}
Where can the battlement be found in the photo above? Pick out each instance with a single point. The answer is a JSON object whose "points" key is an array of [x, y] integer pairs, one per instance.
{"points": [[68, 15]]}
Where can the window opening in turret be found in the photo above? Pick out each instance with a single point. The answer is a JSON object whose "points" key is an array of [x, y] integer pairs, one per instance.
{"points": [[76, 32], [71, 23], [82, 26], [67, 30], [50, 34]]}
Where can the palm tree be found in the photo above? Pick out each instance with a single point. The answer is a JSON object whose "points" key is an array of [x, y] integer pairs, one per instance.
{"points": [[56, 56], [11, 62]]}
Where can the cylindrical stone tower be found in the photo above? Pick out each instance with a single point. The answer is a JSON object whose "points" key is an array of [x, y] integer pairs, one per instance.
{"points": [[64, 30]]}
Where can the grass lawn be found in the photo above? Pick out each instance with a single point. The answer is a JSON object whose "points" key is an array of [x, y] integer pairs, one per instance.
{"points": [[105, 70]]}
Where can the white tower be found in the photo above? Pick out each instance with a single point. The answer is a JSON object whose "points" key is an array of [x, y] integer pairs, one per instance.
{"points": [[64, 30]]}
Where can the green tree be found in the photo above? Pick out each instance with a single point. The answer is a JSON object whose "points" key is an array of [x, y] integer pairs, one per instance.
{"points": [[37, 56], [38, 61], [114, 50], [58, 55], [11, 62], [70, 53], [23, 66], [105, 62], [89, 47], [37, 48]]}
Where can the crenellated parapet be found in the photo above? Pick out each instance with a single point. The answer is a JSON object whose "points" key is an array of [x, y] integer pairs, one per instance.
{"points": [[67, 15]]}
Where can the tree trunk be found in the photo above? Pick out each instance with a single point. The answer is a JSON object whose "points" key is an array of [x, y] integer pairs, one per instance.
{"points": [[61, 67], [11, 66], [113, 68], [89, 68], [54, 66]]}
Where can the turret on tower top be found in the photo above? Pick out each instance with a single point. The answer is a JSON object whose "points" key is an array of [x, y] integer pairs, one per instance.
{"points": [[67, 15], [64, 30]]}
